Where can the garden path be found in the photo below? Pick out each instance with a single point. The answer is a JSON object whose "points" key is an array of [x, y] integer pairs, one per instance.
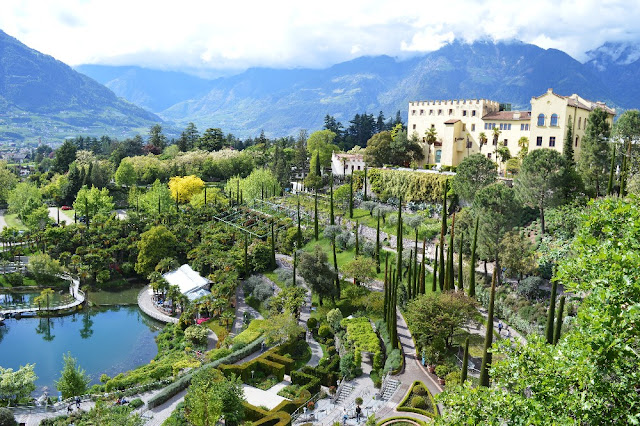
{"points": [[241, 308], [146, 304], [54, 212], [285, 261]]}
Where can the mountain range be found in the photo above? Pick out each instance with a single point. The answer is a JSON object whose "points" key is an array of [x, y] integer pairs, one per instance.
{"points": [[283, 101], [41, 97]]}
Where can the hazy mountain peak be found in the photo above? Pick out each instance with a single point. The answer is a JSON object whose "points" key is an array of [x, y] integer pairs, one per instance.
{"points": [[621, 53]]}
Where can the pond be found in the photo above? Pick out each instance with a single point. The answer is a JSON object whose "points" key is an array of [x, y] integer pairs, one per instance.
{"points": [[107, 340]]}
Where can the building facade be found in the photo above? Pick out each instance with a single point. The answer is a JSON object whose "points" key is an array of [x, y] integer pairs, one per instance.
{"points": [[461, 126], [346, 164]]}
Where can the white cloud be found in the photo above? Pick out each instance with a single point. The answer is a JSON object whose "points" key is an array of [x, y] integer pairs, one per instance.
{"points": [[287, 33]]}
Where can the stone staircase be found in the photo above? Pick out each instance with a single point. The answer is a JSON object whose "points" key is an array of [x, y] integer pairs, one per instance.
{"points": [[343, 394], [389, 389]]}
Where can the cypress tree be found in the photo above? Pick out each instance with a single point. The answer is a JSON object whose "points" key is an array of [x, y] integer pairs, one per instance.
{"points": [[567, 150], [611, 170], [351, 197], [299, 234], [241, 199], [465, 362], [556, 335], [357, 239], [238, 191], [443, 229], [434, 285], [386, 290], [377, 255], [364, 196], [551, 313], [273, 247], [399, 242], [394, 317], [246, 255], [410, 274], [415, 264], [295, 263], [177, 201], [488, 339], [331, 218], [205, 195], [472, 265], [460, 278], [451, 284], [335, 266], [423, 270], [262, 191], [315, 216]]}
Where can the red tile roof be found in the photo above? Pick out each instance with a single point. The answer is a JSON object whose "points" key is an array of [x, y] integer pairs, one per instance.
{"points": [[452, 121]]}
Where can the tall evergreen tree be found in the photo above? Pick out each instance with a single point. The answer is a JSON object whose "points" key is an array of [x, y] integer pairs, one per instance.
{"points": [[594, 153], [274, 264], [364, 195], [551, 312], [443, 230], [558, 331], [612, 167], [399, 241], [315, 214], [332, 220], [335, 266], [434, 286], [357, 238], [377, 255], [351, 197], [465, 362], [460, 273], [299, 233], [246, 255], [295, 264], [410, 274], [386, 289], [488, 338], [423, 272], [567, 149], [450, 283]]}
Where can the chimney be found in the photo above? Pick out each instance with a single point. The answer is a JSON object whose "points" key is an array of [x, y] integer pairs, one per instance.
{"points": [[550, 90]]}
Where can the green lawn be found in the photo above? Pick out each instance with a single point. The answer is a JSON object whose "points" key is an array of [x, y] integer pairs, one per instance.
{"points": [[27, 282], [13, 222]]}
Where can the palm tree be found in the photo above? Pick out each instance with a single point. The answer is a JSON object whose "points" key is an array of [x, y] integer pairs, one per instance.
{"points": [[482, 137], [430, 139], [523, 144], [228, 317], [496, 136], [46, 296]]}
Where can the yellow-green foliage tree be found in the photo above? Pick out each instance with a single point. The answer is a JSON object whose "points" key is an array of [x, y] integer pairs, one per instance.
{"points": [[414, 186], [252, 185], [184, 187]]}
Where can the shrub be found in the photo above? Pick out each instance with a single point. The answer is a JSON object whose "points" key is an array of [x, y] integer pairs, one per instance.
{"points": [[453, 378], [262, 291], [312, 323], [197, 334], [442, 371], [251, 283], [136, 403], [418, 402], [334, 317], [331, 350], [7, 418], [324, 331], [419, 390], [249, 335], [394, 361], [530, 287]]}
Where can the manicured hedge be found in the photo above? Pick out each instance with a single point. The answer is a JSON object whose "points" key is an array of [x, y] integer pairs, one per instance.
{"points": [[306, 381], [250, 334], [328, 375], [407, 408], [413, 186], [269, 363], [183, 382]]}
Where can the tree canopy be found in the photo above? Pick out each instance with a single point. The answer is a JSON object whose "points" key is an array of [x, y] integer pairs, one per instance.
{"points": [[473, 173]]}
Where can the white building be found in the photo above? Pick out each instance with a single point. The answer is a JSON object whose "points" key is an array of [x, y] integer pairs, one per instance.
{"points": [[346, 164], [190, 283]]}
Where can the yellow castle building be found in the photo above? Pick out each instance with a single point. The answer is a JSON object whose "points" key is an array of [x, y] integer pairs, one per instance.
{"points": [[460, 124]]}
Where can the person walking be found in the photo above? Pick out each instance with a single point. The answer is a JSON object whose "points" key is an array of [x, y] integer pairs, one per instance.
{"points": [[499, 327], [358, 411], [78, 402], [344, 416]]}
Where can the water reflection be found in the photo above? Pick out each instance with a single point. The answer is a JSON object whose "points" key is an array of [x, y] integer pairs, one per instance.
{"points": [[108, 341]]}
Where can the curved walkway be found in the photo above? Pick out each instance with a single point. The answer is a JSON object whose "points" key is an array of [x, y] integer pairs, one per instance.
{"points": [[74, 290], [146, 304]]}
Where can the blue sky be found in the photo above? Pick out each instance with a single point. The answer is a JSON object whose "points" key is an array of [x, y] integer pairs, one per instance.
{"points": [[233, 35]]}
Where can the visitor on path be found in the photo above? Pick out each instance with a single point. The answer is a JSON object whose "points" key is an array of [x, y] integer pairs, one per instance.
{"points": [[77, 402], [499, 327], [70, 409], [344, 416], [358, 411]]}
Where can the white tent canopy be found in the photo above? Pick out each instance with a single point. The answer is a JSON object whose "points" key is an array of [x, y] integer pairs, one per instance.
{"points": [[188, 281]]}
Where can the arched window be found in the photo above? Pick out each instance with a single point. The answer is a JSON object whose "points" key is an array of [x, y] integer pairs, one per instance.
{"points": [[579, 122], [541, 120], [554, 120]]}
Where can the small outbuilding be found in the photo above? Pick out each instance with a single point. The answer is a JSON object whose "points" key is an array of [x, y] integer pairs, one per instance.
{"points": [[190, 283]]}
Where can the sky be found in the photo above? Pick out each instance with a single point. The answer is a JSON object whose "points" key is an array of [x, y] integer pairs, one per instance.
{"points": [[233, 35]]}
